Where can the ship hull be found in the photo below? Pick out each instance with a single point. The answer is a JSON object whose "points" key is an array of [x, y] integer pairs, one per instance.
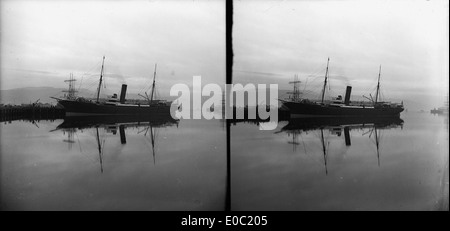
{"points": [[82, 122], [77, 108], [313, 123], [305, 110]]}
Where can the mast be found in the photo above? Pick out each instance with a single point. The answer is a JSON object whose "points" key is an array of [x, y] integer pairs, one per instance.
{"points": [[71, 92], [153, 85], [153, 143], [377, 142], [101, 78], [70, 137], [99, 150], [378, 86], [324, 152], [325, 83], [296, 92]]}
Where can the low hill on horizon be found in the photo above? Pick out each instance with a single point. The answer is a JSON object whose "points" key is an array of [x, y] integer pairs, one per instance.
{"points": [[28, 95]]}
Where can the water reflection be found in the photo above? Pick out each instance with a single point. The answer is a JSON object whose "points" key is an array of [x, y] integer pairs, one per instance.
{"points": [[147, 126], [371, 127], [113, 163], [341, 164]]}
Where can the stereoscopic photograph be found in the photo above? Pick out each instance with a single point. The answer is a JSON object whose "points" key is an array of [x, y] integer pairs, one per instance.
{"points": [[214, 105]]}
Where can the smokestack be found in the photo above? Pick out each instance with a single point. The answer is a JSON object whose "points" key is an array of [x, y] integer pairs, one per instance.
{"points": [[123, 139], [123, 93], [347, 136], [347, 95]]}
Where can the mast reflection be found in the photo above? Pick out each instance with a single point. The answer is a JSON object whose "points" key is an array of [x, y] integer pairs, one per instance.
{"points": [[337, 126], [112, 124]]}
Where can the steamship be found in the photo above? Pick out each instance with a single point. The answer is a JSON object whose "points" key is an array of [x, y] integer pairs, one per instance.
{"points": [[338, 107], [80, 106]]}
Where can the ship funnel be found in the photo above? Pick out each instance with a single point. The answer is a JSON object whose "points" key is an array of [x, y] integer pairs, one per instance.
{"points": [[347, 136], [123, 138], [123, 93], [347, 95]]}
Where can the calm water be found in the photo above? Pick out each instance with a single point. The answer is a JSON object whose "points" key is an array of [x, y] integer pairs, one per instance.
{"points": [[181, 165], [184, 169], [287, 169]]}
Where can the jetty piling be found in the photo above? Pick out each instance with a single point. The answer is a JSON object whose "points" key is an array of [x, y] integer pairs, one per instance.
{"points": [[30, 112]]}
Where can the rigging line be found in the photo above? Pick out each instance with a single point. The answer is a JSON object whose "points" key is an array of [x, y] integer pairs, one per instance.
{"points": [[88, 156], [328, 149], [104, 77], [88, 81], [79, 86], [311, 156], [316, 78], [79, 143], [316, 74], [92, 68], [146, 87], [88, 72], [306, 82], [304, 146], [92, 83], [91, 160], [103, 148], [92, 80], [142, 89]]}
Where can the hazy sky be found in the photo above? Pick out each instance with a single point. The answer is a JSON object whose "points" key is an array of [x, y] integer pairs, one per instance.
{"points": [[273, 40], [42, 42]]}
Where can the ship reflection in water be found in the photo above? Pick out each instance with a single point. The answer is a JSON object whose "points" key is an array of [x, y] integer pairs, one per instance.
{"points": [[145, 125], [341, 164], [372, 127], [113, 163]]}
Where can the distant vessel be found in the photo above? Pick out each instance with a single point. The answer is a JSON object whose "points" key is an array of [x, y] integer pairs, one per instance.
{"points": [[441, 110], [79, 106], [340, 108]]}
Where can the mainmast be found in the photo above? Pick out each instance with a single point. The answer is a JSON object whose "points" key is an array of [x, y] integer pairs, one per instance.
{"points": [[377, 142], [101, 78], [71, 93], [324, 152], [99, 150], [153, 85], [153, 143], [378, 86], [296, 92], [325, 83]]}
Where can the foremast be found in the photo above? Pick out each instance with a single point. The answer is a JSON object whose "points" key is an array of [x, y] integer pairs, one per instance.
{"points": [[71, 93], [325, 82], [378, 86], [100, 82], [296, 93], [153, 85]]}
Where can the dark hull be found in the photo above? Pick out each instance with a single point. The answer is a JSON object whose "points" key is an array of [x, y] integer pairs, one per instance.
{"points": [[77, 108], [81, 122], [306, 124], [300, 109]]}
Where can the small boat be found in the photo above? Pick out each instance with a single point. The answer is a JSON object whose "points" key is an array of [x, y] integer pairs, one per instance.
{"points": [[301, 108], [441, 110], [80, 106]]}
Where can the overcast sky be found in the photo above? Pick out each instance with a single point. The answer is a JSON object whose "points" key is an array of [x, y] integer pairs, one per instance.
{"points": [[42, 42], [273, 40]]}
